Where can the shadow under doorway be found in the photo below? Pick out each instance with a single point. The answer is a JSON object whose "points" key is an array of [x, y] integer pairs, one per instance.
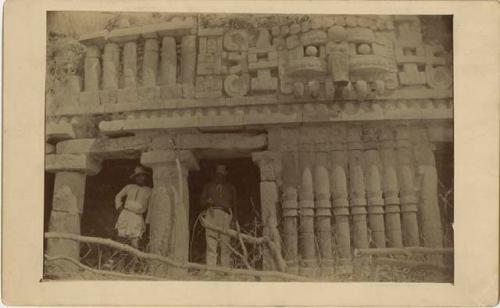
{"points": [[245, 176]]}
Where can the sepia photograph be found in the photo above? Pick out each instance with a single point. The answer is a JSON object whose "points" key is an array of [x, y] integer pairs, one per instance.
{"points": [[247, 153], [248, 147]]}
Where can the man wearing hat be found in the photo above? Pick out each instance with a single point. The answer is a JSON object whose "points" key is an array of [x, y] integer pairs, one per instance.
{"points": [[219, 199], [130, 224]]}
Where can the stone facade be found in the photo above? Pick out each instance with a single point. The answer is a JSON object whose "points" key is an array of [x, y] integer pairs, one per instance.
{"points": [[347, 109]]}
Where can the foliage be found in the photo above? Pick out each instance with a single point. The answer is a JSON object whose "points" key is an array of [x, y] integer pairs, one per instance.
{"points": [[64, 58], [249, 22]]}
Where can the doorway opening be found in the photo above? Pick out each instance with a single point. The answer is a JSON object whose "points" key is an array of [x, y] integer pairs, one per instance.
{"points": [[99, 213], [245, 176]]}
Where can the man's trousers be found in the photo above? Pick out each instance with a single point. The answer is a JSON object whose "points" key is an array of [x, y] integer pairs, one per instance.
{"points": [[221, 219]]}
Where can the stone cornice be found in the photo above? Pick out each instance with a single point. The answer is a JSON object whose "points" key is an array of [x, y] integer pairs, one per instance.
{"points": [[234, 102], [275, 115]]}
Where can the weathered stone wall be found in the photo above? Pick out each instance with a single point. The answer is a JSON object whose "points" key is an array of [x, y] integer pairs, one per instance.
{"points": [[294, 57], [370, 96]]}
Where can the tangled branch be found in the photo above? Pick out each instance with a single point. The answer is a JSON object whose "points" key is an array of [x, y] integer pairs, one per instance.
{"points": [[168, 261]]}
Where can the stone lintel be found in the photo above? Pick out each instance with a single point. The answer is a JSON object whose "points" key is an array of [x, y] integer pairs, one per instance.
{"points": [[94, 38], [72, 162], [245, 142], [154, 158], [109, 148], [174, 28], [59, 131]]}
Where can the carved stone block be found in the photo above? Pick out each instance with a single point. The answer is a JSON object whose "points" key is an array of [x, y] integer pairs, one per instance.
{"points": [[171, 91], [209, 56], [107, 97], [236, 62], [188, 90], [411, 75], [149, 95], [235, 85], [209, 86], [89, 98], [127, 96], [236, 40], [264, 81], [313, 37]]}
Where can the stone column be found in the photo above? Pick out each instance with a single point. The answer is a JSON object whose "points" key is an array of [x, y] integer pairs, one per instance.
{"points": [[323, 216], [285, 141], [306, 227], [188, 59], [188, 65], [270, 169], [357, 198], [391, 190], [374, 188], [169, 210], [357, 188], [130, 64], [341, 226], [150, 63], [110, 74], [340, 202], [406, 182], [111, 64], [71, 171], [168, 68], [92, 69], [307, 240], [429, 216]]}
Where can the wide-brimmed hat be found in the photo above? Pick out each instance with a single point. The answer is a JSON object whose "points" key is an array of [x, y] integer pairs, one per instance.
{"points": [[221, 169], [139, 170]]}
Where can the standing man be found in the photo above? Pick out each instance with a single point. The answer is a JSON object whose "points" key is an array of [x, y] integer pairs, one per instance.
{"points": [[219, 199], [130, 224]]}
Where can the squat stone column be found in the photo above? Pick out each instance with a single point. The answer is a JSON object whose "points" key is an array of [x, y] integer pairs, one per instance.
{"points": [[357, 188], [306, 227], [431, 229], [71, 171], [323, 207], [111, 66], [290, 208], [270, 169], [130, 64], [391, 190], [341, 212], [92, 69], [150, 62], [340, 202], [285, 141], [406, 179], [374, 188], [168, 66], [358, 202], [169, 209], [307, 239]]}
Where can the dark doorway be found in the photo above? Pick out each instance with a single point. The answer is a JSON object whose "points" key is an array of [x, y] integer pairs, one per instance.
{"points": [[245, 176]]}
